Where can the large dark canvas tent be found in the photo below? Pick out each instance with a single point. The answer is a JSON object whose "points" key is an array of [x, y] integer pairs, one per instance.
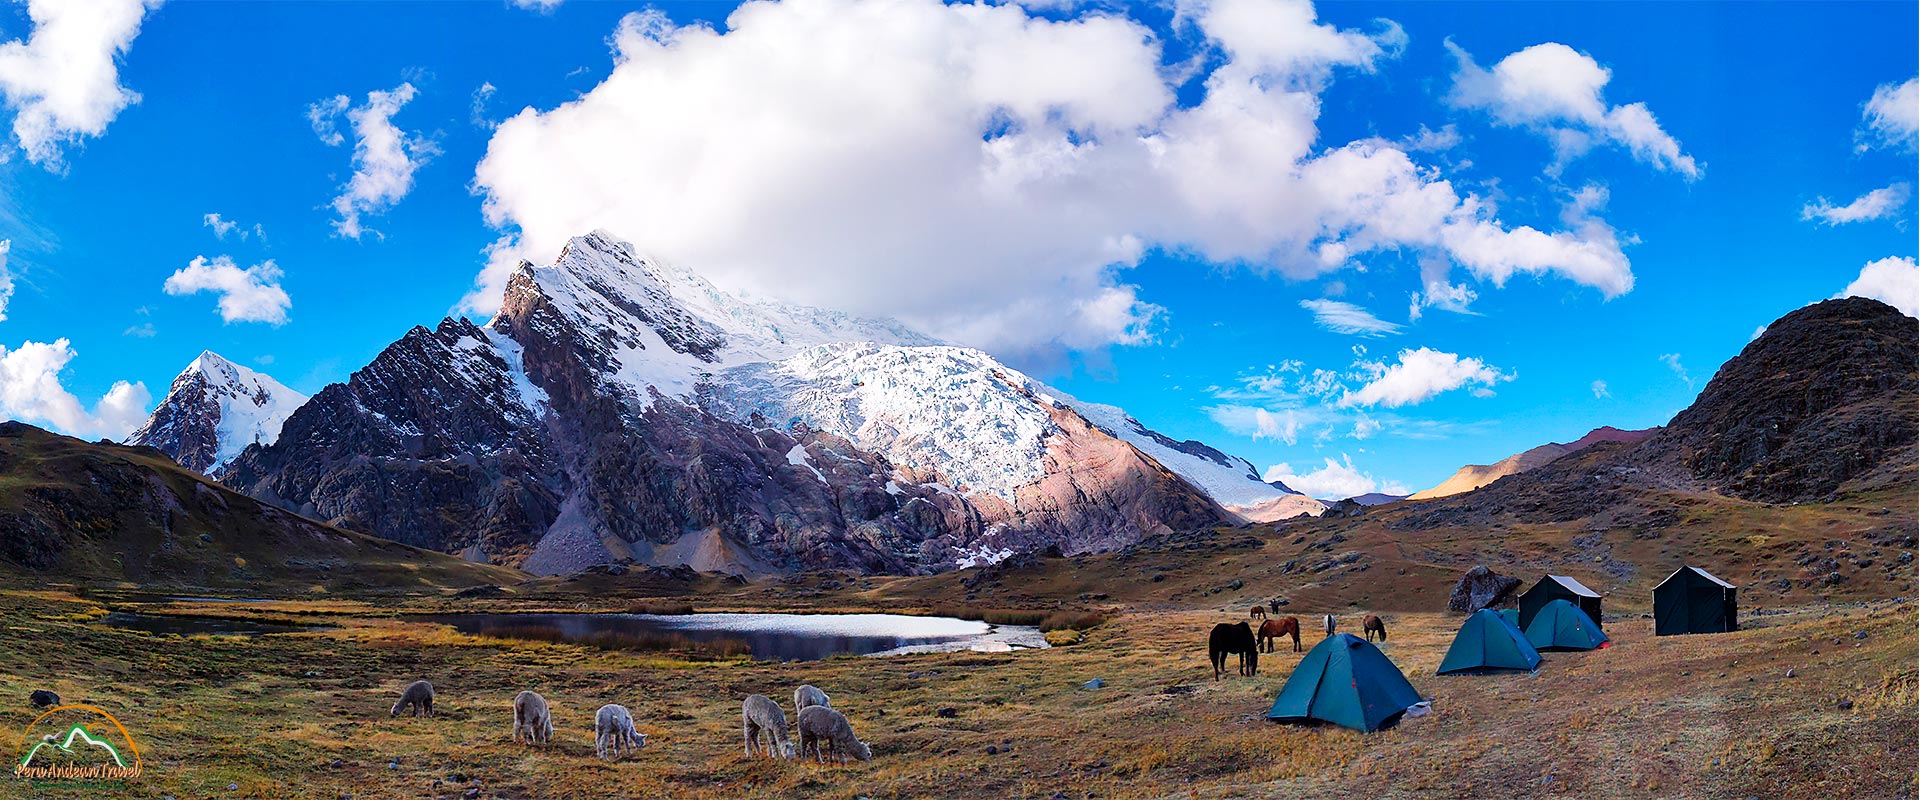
{"points": [[1345, 680], [1487, 642], [1558, 587], [1561, 625], [1693, 601]]}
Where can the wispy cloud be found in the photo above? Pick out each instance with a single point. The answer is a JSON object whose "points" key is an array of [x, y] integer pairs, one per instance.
{"points": [[1672, 360], [1891, 118], [1336, 480], [384, 157], [1600, 390], [1343, 317], [1880, 203]]}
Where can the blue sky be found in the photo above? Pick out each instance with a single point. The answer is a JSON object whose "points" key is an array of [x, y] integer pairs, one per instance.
{"points": [[1187, 312]]}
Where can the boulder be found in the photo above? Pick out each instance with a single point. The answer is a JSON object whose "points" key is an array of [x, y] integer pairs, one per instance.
{"points": [[1481, 588]]}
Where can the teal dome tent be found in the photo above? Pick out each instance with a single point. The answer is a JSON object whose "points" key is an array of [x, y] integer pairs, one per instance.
{"points": [[1345, 680], [1487, 642], [1561, 625]]}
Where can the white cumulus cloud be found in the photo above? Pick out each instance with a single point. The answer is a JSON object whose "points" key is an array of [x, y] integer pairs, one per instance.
{"points": [[1556, 90], [1891, 118], [63, 81], [1336, 480], [984, 174], [1420, 375], [384, 157], [1342, 317], [252, 294], [1880, 203], [30, 390], [1894, 281]]}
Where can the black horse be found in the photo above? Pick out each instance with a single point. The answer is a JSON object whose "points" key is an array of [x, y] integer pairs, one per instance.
{"points": [[1233, 638]]}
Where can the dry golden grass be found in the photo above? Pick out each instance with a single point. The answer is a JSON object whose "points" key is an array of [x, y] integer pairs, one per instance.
{"points": [[1705, 716]]}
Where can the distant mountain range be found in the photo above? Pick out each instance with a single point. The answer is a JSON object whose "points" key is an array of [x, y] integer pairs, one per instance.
{"points": [[620, 408], [1474, 476]]}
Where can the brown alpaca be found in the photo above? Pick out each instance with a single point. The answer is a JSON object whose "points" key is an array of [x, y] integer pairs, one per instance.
{"points": [[1275, 628], [1372, 625]]}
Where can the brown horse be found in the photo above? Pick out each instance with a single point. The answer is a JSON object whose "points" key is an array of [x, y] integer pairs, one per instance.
{"points": [[1275, 628], [1372, 625], [1257, 613]]}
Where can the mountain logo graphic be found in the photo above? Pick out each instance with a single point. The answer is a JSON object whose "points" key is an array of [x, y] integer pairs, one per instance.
{"points": [[69, 743]]}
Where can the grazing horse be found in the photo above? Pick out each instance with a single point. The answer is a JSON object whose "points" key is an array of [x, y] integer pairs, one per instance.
{"points": [[1233, 638], [1372, 625], [1275, 628], [1257, 613], [1328, 621]]}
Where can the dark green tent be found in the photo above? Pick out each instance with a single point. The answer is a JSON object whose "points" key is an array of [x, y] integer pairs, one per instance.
{"points": [[1345, 680], [1561, 625], [1693, 601], [1487, 642], [1558, 587]]}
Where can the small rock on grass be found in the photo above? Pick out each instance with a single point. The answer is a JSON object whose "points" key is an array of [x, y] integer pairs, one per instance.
{"points": [[947, 712], [1093, 684], [1844, 705]]}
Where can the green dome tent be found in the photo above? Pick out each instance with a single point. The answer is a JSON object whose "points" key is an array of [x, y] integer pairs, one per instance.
{"points": [[1561, 625], [1345, 680], [1487, 642]]}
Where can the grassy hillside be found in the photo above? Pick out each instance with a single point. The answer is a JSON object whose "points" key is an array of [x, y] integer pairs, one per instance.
{"points": [[106, 515]]}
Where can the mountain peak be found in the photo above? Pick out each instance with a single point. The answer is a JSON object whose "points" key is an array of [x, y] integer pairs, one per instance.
{"points": [[213, 410]]}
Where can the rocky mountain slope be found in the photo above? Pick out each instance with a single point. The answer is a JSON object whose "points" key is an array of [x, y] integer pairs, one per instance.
{"points": [[1474, 476], [621, 408], [1821, 404], [213, 410], [104, 514]]}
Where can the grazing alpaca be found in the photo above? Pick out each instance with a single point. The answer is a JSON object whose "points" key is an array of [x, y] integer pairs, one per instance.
{"points": [[823, 729], [1328, 621], [417, 699], [809, 696], [1257, 613], [1275, 628], [759, 714], [1233, 638], [532, 723], [613, 732], [1372, 625]]}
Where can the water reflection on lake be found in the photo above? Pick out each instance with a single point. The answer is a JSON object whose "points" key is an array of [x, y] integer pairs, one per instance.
{"points": [[189, 626], [779, 637]]}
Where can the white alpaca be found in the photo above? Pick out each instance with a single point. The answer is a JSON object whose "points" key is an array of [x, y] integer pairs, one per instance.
{"points": [[758, 715], [613, 732], [532, 722], [809, 696], [823, 729]]}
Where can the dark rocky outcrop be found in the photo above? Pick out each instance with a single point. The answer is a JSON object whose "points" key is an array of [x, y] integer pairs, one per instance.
{"points": [[1822, 402], [1481, 588], [1824, 397]]}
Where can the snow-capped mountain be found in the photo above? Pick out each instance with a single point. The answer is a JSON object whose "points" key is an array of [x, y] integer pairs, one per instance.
{"points": [[213, 410], [622, 408]]}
